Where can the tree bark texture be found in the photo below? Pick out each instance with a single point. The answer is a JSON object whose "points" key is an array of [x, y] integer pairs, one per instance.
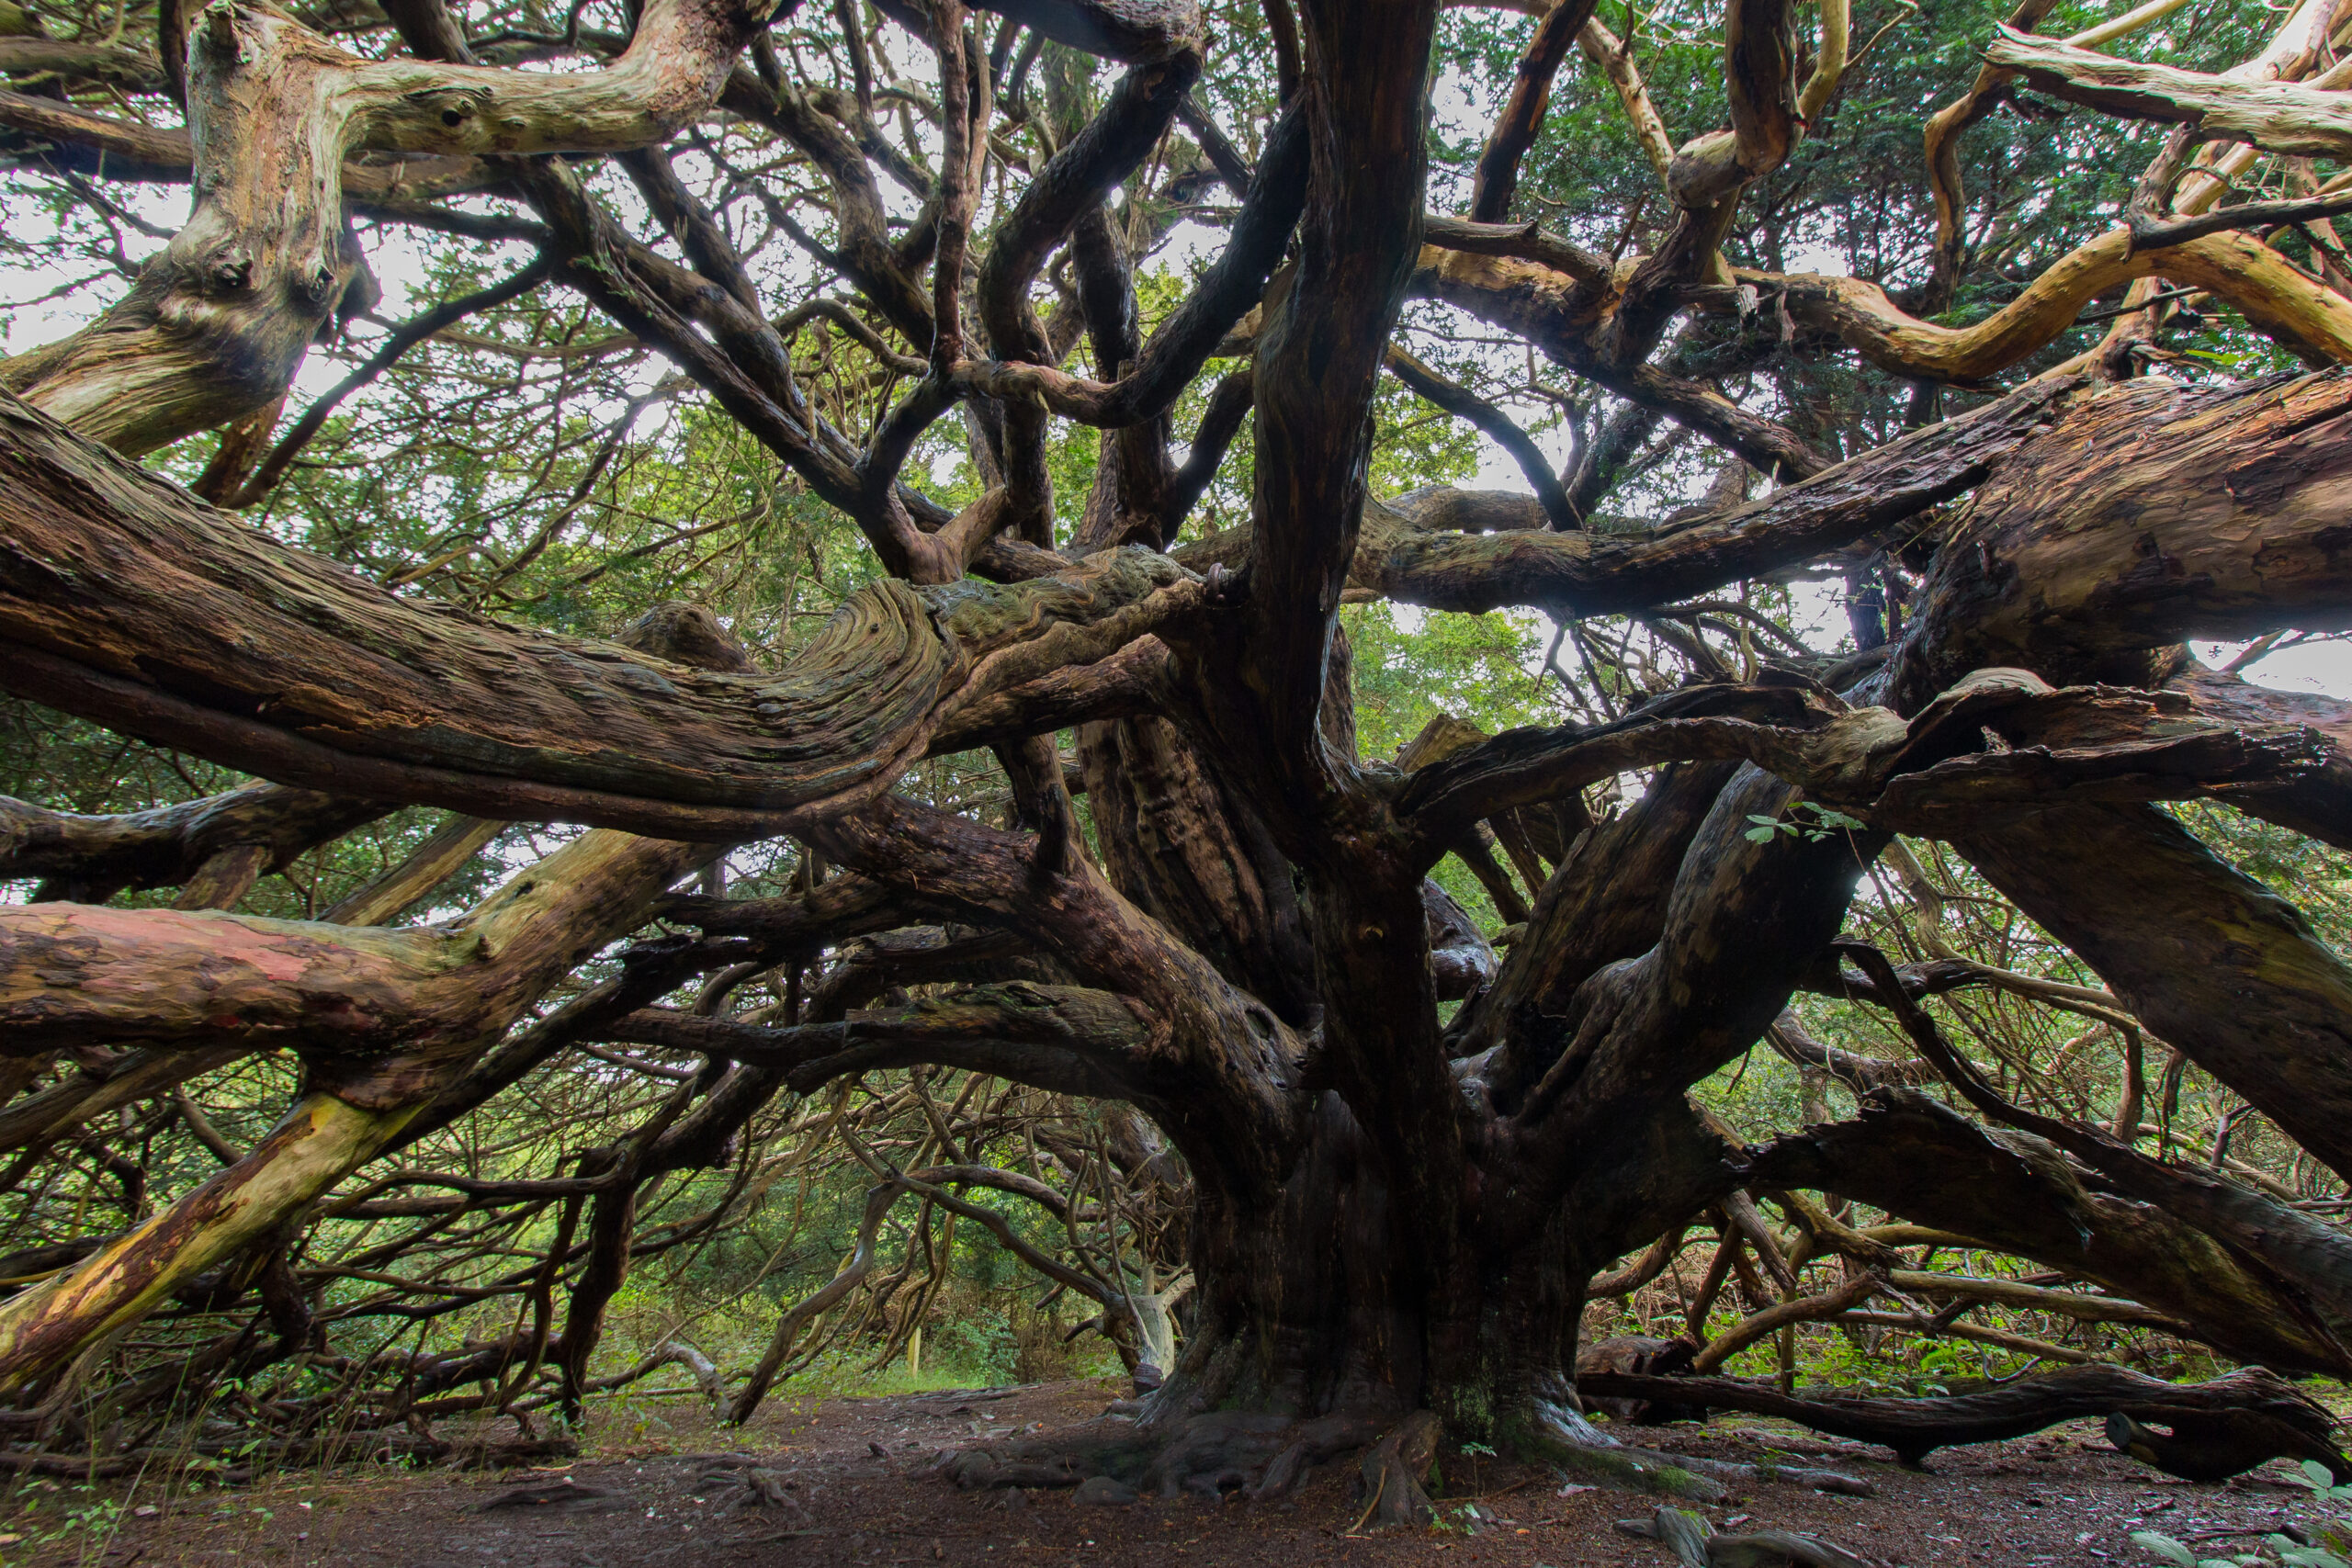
{"points": [[1391, 1215]]}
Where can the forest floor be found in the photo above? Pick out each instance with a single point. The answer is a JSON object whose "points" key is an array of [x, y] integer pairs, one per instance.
{"points": [[636, 1497]]}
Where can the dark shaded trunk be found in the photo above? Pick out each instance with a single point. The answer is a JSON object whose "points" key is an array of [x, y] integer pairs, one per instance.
{"points": [[1311, 1299], [1325, 1297]]}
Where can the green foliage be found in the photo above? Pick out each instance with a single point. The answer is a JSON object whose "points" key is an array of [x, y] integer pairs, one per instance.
{"points": [[1410, 665], [60, 1518], [1807, 820], [1853, 198], [985, 1346], [2325, 1543]]}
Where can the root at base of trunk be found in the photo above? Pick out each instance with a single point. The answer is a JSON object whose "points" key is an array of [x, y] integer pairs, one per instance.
{"points": [[1394, 1470], [1562, 1438], [1262, 1457], [1214, 1454], [1223, 1453], [1695, 1543]]}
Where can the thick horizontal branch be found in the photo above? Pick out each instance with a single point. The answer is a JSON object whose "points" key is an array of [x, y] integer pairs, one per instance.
{"points": [[1917, 1427], [124, 600], [2150, 234], [836, 909], [43, 132], [135, 70], [2276, 116], [351, 996], [2152, 514], [1065, 1039], [99, 856], [672, 69], [1573, 319], [2002, 740], [73, 973], [1582, 573], [1529, 240], [2301, 314], [1524, 767]]}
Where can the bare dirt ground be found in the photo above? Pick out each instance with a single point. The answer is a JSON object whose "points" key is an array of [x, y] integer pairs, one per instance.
{"points": [[2059, 1499]]}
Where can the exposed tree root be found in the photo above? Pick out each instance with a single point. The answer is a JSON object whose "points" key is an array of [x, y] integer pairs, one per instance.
{"points": [[1694, 1540], [2216, 1429], [564, 1495], [737, 1483], [1566, 1439], [1211, 1454], [1262, 1457], [1595, 1460], [1394, 1470]]}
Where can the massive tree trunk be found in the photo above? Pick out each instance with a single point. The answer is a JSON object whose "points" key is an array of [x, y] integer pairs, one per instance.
{"points": [[1392, 1215]]}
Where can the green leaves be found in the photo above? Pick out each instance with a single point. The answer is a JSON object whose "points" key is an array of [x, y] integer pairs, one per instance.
{"points": [[1818, 823], [2172, 1551], [2283, 1548], [2297, 1555]]}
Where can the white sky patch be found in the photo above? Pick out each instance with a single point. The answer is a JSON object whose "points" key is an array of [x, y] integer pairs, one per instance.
{"points": [[165, 207], [2322, 668]]}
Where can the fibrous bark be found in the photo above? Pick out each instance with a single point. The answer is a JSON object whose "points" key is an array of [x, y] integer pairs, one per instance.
{"points": [[1382, 1219]]}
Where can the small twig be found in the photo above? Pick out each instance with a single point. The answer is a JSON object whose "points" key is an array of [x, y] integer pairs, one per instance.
{"points": [[2151, 300]]}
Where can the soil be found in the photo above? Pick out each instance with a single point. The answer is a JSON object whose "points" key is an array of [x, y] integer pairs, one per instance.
{"points": [[639, 1497]]}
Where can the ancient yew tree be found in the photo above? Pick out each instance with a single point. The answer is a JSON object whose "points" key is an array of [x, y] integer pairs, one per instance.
{"points": [[1132, 338]]}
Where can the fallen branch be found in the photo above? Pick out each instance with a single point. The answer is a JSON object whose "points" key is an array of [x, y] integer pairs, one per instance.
{"points": [[1917, 1427]]}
